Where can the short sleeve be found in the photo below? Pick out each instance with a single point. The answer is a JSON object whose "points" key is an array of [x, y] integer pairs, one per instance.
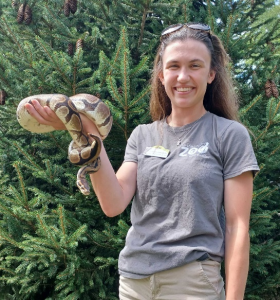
{"points": [[131, 147], [237, 152]]}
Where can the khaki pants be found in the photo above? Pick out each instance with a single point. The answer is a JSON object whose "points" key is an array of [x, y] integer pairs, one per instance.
{"points": [[194, 281]]}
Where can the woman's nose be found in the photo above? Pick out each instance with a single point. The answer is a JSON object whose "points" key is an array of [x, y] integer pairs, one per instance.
{"points": [[183, 75]]}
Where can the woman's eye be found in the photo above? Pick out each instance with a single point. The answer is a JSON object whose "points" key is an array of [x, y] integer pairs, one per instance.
{"points": [[173, 66], [195, 66]]}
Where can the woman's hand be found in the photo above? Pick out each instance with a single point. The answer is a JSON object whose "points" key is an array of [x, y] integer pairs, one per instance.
{"points": [[44, 115]]}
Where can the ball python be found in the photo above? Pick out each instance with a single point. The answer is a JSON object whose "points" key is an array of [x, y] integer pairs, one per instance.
{"points": [[81, 152]]}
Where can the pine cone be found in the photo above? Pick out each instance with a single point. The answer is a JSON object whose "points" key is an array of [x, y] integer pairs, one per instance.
{"points": [[268, 91], [79, 44], [70, 49], [20, 15], [3, 96], [27, 15], [66, 8], [271, 89], [73, 5], [274, 90]]}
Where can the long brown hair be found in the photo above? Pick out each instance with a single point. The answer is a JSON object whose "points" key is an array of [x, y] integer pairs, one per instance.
{"points": [[220, 97]]}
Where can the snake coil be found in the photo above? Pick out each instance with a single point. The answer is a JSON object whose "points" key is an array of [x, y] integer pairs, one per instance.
{"points": [[81, 152]]}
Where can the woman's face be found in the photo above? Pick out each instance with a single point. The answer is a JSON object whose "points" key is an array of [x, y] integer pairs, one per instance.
{"points": [[186, 73]]}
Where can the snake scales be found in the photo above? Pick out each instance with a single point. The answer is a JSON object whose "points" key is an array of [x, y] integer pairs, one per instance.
{"points": [[81, 152]]}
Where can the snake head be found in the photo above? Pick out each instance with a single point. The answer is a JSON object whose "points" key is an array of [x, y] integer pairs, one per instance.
{"points": [[81, 176], [83, 187]]}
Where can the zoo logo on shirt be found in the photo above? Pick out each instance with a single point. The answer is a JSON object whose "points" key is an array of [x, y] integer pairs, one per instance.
{"points": [[191, 151]]}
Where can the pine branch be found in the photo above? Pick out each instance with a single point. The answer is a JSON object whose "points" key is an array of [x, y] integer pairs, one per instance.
{"points": [[276, 110], [245, 109], [8, 270], [47, 231], [87, 234], [78, 56], [210, 13], [144, 16], [42, 244], [103, 58], [104, 11], [145, 92], [114, 91], [55, 140], [6, 210], [13, 36], [62, 219], [38, 39], [256, 194], [274, 151], [231, 20], [5, 236], [122, 129], [27, 156], [125, 73], [23, 190], [77, 235], [141, 67], [16, 201], [268, 194]]}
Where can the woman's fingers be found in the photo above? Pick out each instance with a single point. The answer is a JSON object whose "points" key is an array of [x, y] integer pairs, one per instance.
{"points": [[44, 115], [36, 115]]}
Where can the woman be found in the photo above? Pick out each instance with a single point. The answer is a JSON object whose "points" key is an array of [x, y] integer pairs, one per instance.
{"points": [[189, 171]]}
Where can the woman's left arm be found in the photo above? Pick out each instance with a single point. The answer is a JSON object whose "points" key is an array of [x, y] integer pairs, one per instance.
{"points": [[238, 198]]}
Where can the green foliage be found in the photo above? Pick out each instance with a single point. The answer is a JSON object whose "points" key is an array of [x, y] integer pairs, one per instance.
{"points": [[43, 242]]}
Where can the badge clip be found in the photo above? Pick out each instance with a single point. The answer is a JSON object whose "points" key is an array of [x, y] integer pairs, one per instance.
{"points": [[156, 151]]}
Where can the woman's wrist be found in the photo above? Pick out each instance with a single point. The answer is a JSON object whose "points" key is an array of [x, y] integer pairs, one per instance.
{"points": [[89, 126]]}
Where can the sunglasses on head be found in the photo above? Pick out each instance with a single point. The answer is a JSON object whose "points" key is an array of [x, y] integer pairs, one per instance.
{"points": [[195, 26]]}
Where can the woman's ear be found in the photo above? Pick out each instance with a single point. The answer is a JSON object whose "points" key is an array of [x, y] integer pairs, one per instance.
{"points": [[211, 76], [161, 78]]}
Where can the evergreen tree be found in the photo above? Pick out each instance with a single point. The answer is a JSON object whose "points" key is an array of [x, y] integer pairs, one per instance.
{"points": [[260, 77], [54, 242]]}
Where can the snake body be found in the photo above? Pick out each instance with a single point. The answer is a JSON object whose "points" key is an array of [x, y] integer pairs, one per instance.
{"points": [[81, 152]]}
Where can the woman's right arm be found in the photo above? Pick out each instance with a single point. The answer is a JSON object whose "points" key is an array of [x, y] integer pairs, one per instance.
{"points": [[114, 191]]}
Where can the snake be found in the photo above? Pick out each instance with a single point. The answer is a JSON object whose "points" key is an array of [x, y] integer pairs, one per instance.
{"points": [[84, 149]]}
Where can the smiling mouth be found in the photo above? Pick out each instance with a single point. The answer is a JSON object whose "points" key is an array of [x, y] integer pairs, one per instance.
{"points": [[183, 89]]}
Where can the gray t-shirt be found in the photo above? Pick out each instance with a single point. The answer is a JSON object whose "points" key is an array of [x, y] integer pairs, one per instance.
{"points": [[177, 215]]}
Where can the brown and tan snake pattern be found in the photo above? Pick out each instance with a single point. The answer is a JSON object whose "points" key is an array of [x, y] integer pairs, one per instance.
{"points": [[81, 152]]}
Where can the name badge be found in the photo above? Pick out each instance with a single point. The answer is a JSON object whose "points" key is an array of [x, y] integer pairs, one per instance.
{"points": [[157, 151]]}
